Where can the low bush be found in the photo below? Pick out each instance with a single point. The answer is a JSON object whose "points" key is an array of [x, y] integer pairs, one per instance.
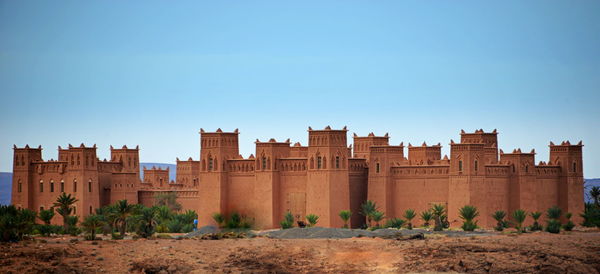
{"points": [[312, 219], [394, 223], [468, 214], [569, 225], [500, 222], [536, 226], [288, 221], [409, 214], [553, 224]]}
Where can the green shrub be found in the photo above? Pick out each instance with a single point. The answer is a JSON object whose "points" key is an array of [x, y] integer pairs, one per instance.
{"points": [[553, 224], [92, 223], [72, 228], [468, 214], [368, 208], [536, 225], [234, 220], [439, 215], [15, 223], [591, 215], [312, 219], [426, 216], [46, 215], [377, 217], [519, 217], [146, 222], [500, 222], [218, 218], [394, 223], [409, 214], [288, 221], [175, 226], [569, 225], [345, 215]]}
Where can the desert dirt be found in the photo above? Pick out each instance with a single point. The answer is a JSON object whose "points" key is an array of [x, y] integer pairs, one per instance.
{"points": [[576, 252]]}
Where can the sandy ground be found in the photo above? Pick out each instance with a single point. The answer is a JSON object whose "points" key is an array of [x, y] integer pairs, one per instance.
{"points": [[577, 252]]}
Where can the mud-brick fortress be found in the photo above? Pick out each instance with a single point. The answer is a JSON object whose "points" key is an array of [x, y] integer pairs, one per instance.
{"points": [[322, 178]]}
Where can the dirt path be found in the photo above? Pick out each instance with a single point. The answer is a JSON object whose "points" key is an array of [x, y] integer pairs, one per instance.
{"points": [[538, 252]]}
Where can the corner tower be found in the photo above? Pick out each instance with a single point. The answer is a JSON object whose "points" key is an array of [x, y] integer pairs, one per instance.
{"points": [[129, 157], [362, 144], [215, 149], [570, 186], [327, 186], [489, 139], [22, 185]]}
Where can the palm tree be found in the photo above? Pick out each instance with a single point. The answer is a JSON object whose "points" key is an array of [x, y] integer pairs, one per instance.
{"points": [[569, 225], [147, 222], [65, 202], [367, 209], [46, 215], [409, 214], [377, 216], [123, 211], [219, 219], [438, 212], [519, 217], [91, 224], [312, 219], [468, 213], [426, 216], [535, 215], [553, 224], [345, 215], [595, 193], [499, 217]]}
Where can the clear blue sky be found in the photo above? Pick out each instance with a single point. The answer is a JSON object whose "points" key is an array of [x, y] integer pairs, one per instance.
{"points": [[154, 73]]}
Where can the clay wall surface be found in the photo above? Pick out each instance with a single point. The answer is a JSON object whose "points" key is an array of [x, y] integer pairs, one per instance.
{"points": [[358, 183], [292, 189], [239, 193], [419, 188]]}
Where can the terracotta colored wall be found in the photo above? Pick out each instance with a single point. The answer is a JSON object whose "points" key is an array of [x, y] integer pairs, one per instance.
{"points": [[292, 188], [418, 193], [239, 194]]}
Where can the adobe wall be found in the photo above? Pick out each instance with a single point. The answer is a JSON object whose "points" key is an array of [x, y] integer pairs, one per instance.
{"points": [[358, 177], [187, 198], [239, 193], [418, 188], [292, 189]]}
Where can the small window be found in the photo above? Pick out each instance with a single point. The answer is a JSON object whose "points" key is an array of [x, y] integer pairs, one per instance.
{"points": [[337, 161], [476, 165], [75, 185], [264, 163], [377, 168], [319, 162], [62, 186], [51, 186], [41, 208], [526, 168], [41, 186], [210, 163], [90, 209], [74, 210], [19, 186], [513, 168], [90, 185], [460, 168], [574, 167]]}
